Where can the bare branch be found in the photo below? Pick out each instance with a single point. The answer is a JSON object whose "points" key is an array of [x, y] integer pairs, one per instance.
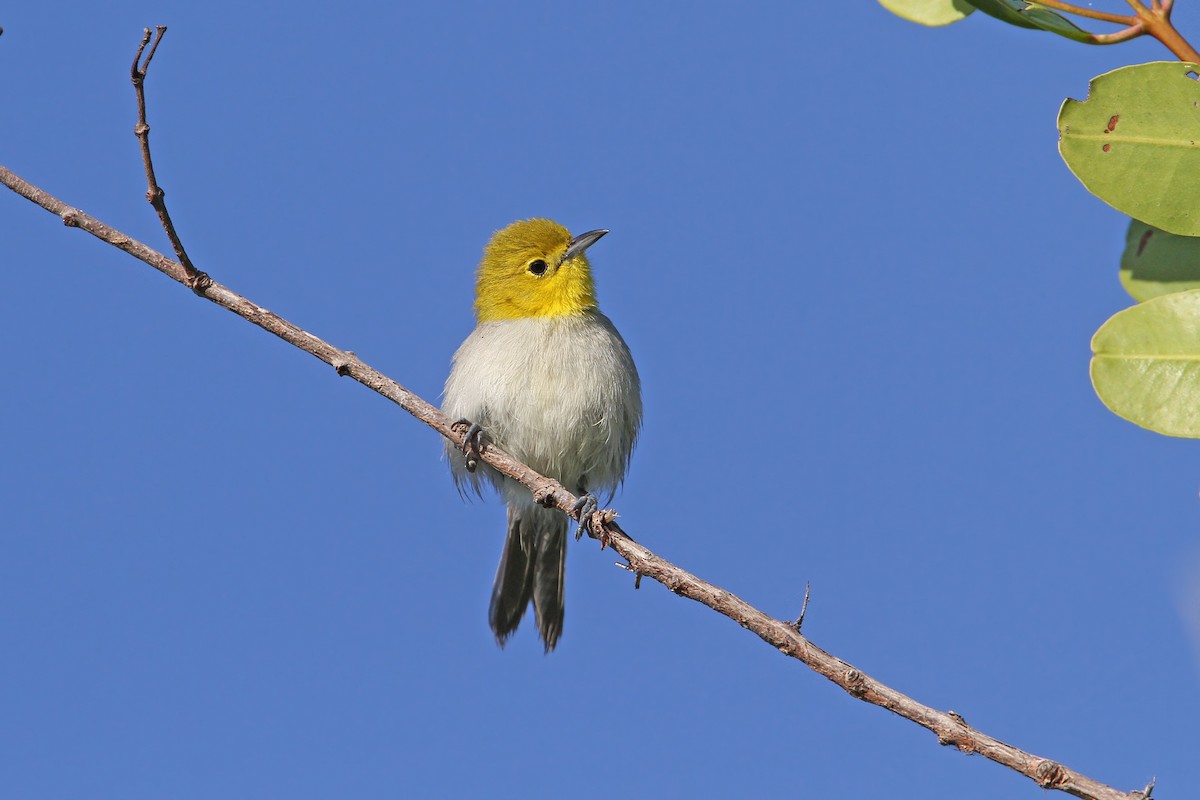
{"points": [[197, 281]]}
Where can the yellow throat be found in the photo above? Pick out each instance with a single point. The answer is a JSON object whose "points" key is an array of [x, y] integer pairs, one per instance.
{"points": [[534, 268]]}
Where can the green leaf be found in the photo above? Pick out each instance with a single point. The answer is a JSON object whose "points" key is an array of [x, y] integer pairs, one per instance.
{"points": [[1030, 15], [1146, 366], [929, 12], [1135, 143], [1156, 262], [1048, 20], [1006, 10]]}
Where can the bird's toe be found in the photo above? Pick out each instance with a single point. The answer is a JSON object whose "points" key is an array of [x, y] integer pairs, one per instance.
{"points": [[584, 508], [472, 443]]}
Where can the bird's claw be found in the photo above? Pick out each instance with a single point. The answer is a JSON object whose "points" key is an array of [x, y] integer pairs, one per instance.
{"points": [[586, 506], [472, 443]]}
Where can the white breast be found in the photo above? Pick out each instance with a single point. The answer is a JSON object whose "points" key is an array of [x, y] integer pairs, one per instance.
{"points": [[559, 393]]}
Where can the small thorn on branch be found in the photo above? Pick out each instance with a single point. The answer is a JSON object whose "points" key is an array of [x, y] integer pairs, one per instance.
{"points": [[799, 623], [637, 579]]}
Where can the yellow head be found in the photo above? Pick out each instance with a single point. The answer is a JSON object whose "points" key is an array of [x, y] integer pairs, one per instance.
{"points": [[533, 268]]}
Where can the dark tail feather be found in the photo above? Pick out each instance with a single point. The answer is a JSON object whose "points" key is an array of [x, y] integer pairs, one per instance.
{"points": [[549, 569], [514, 581], [531, 570]]}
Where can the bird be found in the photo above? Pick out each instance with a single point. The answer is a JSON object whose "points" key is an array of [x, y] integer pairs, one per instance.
{"points": [[547, 378]]}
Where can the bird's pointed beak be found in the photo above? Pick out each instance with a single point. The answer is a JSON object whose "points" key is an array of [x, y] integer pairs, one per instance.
{"points": [[582, 242]]}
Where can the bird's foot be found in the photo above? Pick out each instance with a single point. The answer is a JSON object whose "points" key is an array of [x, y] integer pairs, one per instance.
{"points": [[472, 444], [585, 507]]}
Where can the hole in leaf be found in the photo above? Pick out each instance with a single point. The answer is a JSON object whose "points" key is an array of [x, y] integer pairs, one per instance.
{"points": [[1191, 73]]}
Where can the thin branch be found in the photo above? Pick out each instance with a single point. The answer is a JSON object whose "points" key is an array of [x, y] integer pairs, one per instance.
{"points": [[197, 281], [949, 728], [1116, 37], [1080, 11]]}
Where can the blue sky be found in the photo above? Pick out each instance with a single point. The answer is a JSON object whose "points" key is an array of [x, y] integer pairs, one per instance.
{"points": [[859, 284]]}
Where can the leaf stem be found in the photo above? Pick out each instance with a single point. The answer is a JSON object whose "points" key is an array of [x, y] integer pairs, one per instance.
{"points": [[1080, 11], [1116, 37]]}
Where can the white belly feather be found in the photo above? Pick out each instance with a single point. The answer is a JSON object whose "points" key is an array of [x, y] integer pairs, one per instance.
{"points": [[559, 393]]}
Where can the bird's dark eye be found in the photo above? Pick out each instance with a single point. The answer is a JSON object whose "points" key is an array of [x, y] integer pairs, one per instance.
{"points": [[538, 267]]}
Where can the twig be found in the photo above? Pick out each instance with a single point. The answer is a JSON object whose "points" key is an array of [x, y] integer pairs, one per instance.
{"points": [[637, 576], [799, 623], [1080, 11], [196, 280], [777, 633], [1116, 37]]}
